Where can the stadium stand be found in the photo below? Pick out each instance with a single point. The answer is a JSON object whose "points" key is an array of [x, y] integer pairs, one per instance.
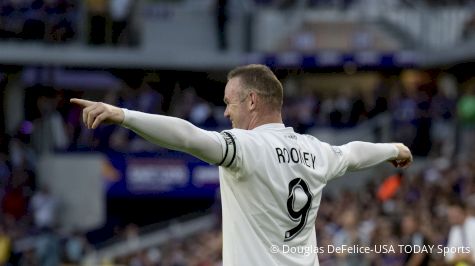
{"points": [[400, 76], [411, 101]]}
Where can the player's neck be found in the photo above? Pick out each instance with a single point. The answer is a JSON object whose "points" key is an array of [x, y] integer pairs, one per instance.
{"points": [[262, 119]]}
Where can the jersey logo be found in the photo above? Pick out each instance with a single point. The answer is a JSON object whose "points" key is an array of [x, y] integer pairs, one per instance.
{"points": [[291, 136], [337, 150]]}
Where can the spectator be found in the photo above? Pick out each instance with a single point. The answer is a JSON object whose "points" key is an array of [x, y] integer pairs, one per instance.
{"points": [[21, 153], [461, 239], [404, 111], [4, 172], [201, 115], [422, 142], [412, 236], [76, 247], [182, 101], [34, 27], [97, 10], [120, 13], [60, 16], [49, 131], [358, 111], [45, 209], [348, 235], [15, 200], [443, 113], [469, 28], [40, 20], [221, 24], [11, 19], [48, 249], [5, 245], [466, 115]]}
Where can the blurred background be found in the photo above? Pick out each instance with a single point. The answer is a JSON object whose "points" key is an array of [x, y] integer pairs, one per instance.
{"points": [[371, 70]]}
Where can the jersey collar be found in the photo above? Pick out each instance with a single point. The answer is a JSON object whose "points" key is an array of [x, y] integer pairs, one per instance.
{"points": [[270, 126]]}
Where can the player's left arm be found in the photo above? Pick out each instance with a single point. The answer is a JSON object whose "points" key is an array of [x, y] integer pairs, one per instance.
{"points": [[358, 155], [362, 155]]}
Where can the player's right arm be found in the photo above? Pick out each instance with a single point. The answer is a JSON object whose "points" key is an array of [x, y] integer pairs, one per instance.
{"points": [[169, 132]]}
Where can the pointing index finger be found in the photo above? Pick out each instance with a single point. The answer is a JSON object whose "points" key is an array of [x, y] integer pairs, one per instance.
{"points": [[81, 102]]}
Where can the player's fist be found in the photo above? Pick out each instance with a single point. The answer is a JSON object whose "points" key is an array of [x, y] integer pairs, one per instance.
{"points": [[95, 113], [404, 157]]}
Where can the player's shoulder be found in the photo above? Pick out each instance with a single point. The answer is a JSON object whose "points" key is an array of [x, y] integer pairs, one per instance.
{"points": [[242, 132], [287, 132], [321, 145], [311, 138], [235, 136], [234, 132]]}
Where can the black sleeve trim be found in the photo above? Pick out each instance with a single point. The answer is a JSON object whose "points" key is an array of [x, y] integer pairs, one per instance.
{"points": [[230, 144], [226, 153], [234, 150]]}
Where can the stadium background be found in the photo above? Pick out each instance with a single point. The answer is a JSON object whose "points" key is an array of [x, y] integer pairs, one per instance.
{"points": [[380, 71]]}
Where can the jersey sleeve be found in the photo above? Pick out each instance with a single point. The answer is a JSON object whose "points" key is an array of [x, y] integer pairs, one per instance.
{"points": [[229, 144], [176, 134], [337, 161], [356, 155]]}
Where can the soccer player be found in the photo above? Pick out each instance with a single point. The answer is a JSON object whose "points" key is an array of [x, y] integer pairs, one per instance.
{"points": [[271, 177]]}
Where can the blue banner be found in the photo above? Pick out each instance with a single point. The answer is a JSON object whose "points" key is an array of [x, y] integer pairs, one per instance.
{"points": [[167, 174]]}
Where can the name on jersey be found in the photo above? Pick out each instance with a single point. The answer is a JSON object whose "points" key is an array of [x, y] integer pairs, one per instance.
{"points": [[294, 155]]}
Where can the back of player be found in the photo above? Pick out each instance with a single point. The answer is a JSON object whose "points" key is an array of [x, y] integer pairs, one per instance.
{"points": [[271, 177], [271, 193]]}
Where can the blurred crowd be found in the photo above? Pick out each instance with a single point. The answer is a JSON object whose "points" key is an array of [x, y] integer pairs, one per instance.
{"points": [[111, 22], [426, 208], [29, 232], [52, 21], [422, 210], [430, 118], [59, 21], [424, 116], [345, 4], [201, 249]]}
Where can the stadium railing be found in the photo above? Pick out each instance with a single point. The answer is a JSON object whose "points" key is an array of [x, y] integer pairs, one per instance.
{"points": [[123, 247]]}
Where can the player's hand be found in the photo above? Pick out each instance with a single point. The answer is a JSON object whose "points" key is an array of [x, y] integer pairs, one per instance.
{"points": [[404, 157], [95, 113]]}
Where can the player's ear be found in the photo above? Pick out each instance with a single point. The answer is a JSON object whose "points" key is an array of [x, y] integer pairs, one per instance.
{"points": [[252, 104]]}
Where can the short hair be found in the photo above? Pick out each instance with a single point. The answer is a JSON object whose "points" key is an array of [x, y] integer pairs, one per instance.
{"points": [[261, 79], [457, 202]]}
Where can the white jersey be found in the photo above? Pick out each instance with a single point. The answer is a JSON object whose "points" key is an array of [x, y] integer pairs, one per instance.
{"points": [[271, 182], [271, 186]]}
